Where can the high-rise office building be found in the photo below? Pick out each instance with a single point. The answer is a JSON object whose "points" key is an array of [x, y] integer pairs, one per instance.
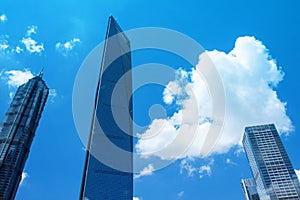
{"points": [[249, 189], [271, 167], [17, 131], [107, 172]]}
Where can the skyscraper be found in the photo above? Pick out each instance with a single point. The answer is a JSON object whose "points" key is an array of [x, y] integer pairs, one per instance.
{"points": [[17, 131], [249, 189], [107, 171], [270, 165]]}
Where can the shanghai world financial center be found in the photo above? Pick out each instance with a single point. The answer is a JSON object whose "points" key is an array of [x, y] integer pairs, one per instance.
{"points": [[105, 181]]}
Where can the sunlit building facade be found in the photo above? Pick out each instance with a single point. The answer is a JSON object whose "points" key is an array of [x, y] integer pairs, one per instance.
{"points": [[17, 132], [271, 167], [107, 172], [249, 189]]}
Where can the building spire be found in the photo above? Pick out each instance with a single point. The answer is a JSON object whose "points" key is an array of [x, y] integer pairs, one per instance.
{"points": [[41, 72]]}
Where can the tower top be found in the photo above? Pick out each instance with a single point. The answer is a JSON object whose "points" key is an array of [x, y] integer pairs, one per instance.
{"points": [[41, 72]]}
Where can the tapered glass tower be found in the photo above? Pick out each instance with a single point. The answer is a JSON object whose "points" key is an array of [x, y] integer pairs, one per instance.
{"points": [[17, 131], [108, 165], [271, 167]]}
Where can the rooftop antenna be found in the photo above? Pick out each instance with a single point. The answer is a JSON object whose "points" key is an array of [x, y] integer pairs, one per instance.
{"points": [[41, 72]]}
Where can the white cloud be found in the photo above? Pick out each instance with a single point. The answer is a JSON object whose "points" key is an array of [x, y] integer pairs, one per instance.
{"points": [[18, 77], [298, 173], [67, 47], [3, 46], [31, 30], [206, 169], [4, 42], [32, 46], [239, 150], [18, 49], [249, 76], [230, 162], [186, 166], [24, 176], [6, 48], [147, 171], [3, 18], [136, 198], [180, 194], [175, 90], [52, 93]]}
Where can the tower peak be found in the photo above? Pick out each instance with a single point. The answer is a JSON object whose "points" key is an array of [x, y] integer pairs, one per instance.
{"points": [[41, 72]]}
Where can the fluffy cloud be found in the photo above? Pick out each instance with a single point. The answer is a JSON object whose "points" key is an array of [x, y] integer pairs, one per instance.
{"points": [[136, 198], [18, 77], [298, 173], [67, 47], [175, 90], [31, 30], [24, 176], [187, 166], [32, 46], [249, 76], [147, 171], [52, 93], [3, 45], [18, 50], [3, 18], [4, 42], [205, 169]]}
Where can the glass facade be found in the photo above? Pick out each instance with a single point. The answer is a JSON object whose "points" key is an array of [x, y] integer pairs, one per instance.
{"points": [[104, 180], [249, 189], [270, 165], [17, 131]]}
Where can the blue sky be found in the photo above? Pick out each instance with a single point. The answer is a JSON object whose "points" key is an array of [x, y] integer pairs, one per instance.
{"points": [[59, 35]]}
